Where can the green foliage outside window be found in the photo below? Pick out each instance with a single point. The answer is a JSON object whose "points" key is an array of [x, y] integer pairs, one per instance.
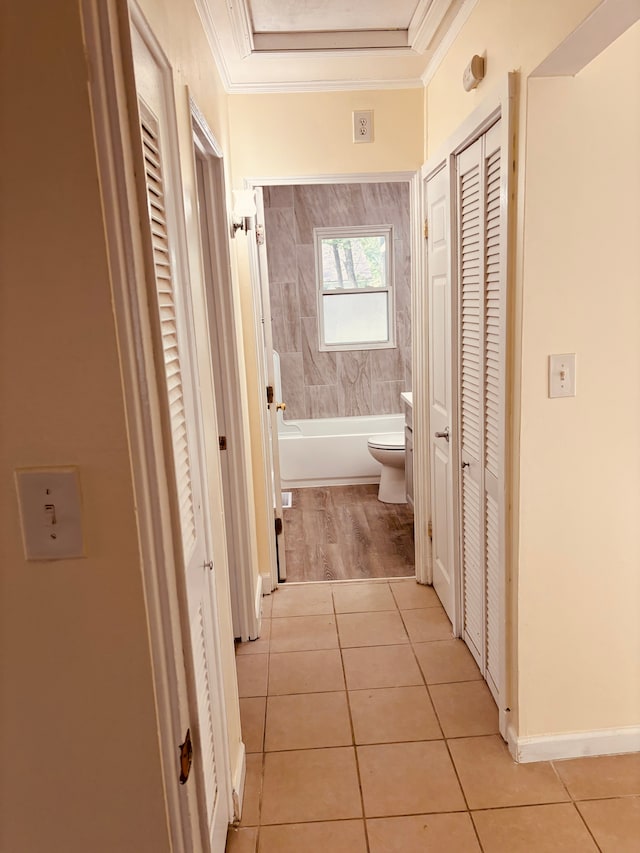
{"points": [[354, 262]]}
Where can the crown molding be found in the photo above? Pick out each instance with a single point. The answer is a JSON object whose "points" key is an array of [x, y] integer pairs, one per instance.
{"points": [[427, 18], [203, 9], [241, 26], [278, 88], [447, 40]]}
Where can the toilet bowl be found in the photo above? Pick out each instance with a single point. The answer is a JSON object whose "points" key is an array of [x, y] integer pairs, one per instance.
{"points": [[388, 449]]}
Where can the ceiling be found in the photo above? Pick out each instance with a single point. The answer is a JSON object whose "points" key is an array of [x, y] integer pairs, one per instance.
{"points": [[325, 45]]}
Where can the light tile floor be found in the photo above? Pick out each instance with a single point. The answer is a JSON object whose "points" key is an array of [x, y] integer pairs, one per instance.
{"points": [[369, 730]]}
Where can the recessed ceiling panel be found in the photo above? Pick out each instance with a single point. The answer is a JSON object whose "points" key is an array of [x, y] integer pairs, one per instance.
{"points": [[291, 16], [327, 45]]}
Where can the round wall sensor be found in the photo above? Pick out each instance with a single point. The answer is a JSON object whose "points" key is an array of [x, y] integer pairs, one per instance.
{"points": [[473, 73]]}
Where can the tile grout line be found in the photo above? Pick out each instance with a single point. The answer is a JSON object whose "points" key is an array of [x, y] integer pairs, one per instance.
{"points": [[353, 733], [574, 803], [446, 742]]}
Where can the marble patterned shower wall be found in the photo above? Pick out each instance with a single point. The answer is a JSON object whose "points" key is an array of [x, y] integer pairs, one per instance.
{"points": [[334, 384]]}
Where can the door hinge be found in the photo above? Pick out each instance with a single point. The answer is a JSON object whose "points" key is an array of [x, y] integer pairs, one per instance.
{"points": [[186, 757], [426, 229], [269, 394], [278, 526], [260, 235], [222, 442], [430, 530]]}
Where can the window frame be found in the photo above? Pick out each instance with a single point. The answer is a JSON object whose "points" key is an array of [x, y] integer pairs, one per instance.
{"points": [[320, 234]]}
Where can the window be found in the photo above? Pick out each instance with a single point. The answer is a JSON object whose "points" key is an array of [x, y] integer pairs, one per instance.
{"points": [[355, 287]]}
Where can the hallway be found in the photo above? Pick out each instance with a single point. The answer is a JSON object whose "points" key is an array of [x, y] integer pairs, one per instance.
{"points": [[357, 701]]}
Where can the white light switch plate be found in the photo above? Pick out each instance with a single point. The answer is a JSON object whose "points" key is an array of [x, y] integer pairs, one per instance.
{"points": [[50, 511], [562, 375]]}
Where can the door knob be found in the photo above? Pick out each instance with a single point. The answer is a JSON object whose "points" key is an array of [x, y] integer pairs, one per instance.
{"points": [[444, 434], [281, 406]]}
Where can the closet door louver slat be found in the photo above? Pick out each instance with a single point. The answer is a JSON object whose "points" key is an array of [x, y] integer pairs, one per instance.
{"points": [[168, 329], [470, 268], [493, 312], [203, 679], [470, 284]]}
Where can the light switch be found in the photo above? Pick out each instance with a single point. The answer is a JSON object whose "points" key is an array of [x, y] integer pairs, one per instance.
{"points": [[562, 375], [50, 512]]}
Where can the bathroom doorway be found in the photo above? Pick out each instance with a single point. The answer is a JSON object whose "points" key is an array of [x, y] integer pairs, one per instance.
{"points": [[338, 396]]}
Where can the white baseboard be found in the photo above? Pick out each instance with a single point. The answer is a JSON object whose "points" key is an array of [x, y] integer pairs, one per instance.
{"points": [[238, 783], [265, 584], [258, 599], [573, 744]]}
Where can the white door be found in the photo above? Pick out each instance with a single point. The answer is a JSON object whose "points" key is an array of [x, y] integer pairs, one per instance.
{"points": [[470, 263], [270, 413], [184, 424], [481, 224], [227, 378], [441, 416]]}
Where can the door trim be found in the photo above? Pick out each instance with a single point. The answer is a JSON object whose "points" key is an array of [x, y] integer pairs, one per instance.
{"points": [[419, 364], [222, 322]]}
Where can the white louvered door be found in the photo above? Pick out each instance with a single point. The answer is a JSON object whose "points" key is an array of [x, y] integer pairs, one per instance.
{"points": [[470, 235], [481, 400], [184, 419]]}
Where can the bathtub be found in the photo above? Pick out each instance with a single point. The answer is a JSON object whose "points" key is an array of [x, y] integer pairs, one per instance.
{"points": [[331, 451]]}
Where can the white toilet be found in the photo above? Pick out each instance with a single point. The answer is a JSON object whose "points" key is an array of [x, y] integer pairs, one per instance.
{"points": [[388, 449]]}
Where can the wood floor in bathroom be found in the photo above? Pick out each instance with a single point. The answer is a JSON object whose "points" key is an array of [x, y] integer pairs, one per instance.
{"points": [[346, 533]]}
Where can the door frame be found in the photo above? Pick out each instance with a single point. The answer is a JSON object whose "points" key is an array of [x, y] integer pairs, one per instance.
{"points": [[419, 364], [106, 32], [222, 318], [501, 102]]}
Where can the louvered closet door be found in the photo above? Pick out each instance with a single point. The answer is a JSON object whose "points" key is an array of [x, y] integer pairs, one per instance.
{"points": [[185, 419], [481, 391], [494, 412], [470, 238]]}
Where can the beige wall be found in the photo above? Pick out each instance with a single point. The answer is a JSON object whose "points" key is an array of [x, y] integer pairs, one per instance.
{"points": [[512, 35], [81, 769], [311, 133], [579, 563]]}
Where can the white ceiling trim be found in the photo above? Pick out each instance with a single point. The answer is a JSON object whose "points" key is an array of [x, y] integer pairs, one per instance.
{"points": [[403, 65], [322, 86], [426, 20], [424, 24], [204, 11], [447, 40], [241, 26]]}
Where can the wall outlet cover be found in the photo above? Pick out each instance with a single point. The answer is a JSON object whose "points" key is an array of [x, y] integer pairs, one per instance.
{"points": [[363, 126]]}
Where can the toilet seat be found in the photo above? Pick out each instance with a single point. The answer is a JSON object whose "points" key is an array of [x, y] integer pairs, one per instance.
{"points": [[388, 441]]}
